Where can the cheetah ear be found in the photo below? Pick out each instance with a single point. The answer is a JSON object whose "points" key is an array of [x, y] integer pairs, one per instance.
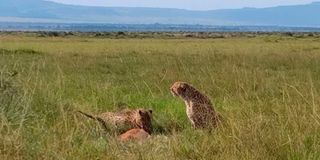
{"points": [[150, 111], [140, 112]]}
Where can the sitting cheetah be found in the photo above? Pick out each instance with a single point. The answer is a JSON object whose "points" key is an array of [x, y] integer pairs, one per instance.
{"points": [[138, 118], [134, 134], [200, 111]]}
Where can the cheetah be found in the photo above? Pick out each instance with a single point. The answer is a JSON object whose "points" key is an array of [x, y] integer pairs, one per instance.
{"points": [[199, 109], [134, 134], [128, 119]]}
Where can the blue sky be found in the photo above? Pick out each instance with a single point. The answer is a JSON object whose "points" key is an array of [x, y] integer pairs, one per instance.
{"points": [[188, 4]]}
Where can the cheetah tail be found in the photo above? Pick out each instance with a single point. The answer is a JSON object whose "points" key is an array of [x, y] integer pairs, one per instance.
{"points": [[95, 118], [88, 115]]}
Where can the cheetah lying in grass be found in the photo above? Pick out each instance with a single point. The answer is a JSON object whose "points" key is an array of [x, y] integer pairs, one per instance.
{"points": [[200, 111], [128, 119]]}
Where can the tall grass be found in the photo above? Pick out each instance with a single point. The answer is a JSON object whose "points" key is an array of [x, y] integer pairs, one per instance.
{"points": [[266, 88]]}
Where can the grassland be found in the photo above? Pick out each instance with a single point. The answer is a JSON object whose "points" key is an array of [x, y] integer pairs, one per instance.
{"points": [[267, 88]]}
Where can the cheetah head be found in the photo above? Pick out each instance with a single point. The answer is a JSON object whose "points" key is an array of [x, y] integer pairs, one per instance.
{"points": [[179, 89], [143, 120]]}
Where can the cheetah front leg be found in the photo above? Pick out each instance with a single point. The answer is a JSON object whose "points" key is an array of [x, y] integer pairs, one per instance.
{"points": [[193, 125]]}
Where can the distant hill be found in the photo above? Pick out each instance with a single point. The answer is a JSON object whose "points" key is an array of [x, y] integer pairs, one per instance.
{"points": [[46, 11]]}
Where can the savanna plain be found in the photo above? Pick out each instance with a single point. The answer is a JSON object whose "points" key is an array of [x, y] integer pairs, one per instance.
{"points": [[266, 88]]}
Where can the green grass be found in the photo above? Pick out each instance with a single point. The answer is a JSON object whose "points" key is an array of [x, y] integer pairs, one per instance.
{"points": [[266, 88]]}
